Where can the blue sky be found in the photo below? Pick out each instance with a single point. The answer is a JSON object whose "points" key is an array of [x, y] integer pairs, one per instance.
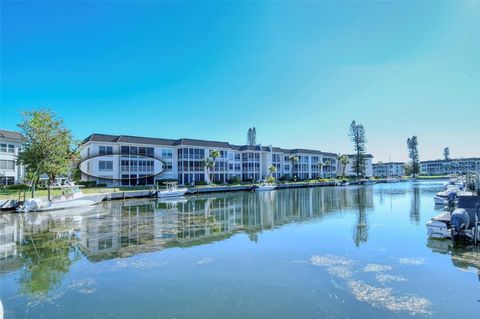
{"points": [[298, 71]]}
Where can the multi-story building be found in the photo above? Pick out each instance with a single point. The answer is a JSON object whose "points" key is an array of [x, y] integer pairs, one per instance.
{"points": [[395, 169], [349, 169], [10, 171], [132, 160], [450, 166]]}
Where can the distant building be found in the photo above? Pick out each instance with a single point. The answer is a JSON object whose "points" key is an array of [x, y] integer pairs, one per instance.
{"points": [[349, 169], [10, 172], [395, 169], [133, 160], [451, 166]]}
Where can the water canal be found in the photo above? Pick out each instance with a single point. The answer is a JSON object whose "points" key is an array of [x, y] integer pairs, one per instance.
{"points": [[331, 252]]}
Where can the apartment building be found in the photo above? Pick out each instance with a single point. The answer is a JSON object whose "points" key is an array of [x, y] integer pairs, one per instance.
{"points": [[396, 169], [349, 170], [450, 166], [132, 160], [10, 171]]}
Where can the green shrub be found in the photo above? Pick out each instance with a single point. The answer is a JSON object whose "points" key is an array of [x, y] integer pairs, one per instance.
{"points": [[201, 183], [101, 185], [88, 183], [234, 180], [20, 187]]}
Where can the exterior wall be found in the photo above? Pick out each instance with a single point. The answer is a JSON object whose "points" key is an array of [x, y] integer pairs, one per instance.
{"points": [[388, 169], [452, 166], [10, 171], [186, 163], [349, 171]]}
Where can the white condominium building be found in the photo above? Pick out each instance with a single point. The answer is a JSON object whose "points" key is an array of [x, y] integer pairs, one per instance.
{"points": [[349, 169], [450, 166], [131, 160], [395, 169], [10, 172]]}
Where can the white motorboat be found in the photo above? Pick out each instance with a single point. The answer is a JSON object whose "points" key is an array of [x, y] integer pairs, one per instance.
{"points": [[265, 187], [171, 190], [462, 223], [439, 226], [368, 182], [72, 197], [440, 200], [392, 180]]}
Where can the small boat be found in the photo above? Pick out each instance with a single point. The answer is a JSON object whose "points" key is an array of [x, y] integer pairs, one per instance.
{"points": [[265, 187], [463, 223], [171, 190], [72, 197], [392, 180], [367, 182], [439, 226]]}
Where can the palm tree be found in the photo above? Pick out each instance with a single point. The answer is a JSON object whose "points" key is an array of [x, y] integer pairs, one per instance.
{"points": [[344, 160], [293, 159], [328, 164], [211, 162], [272, 169], [209, 166], [320, 167]]}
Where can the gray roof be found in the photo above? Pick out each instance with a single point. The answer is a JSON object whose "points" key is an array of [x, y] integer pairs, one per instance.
{"points": [[127, 139], [365, 155], [11, 135], [451, 160], [195, 142], [388, 163]]}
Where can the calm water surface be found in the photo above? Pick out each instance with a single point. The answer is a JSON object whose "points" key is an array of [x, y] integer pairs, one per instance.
{"points": [[345, 252]]}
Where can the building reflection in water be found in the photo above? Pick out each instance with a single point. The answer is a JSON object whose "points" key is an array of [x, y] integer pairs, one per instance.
{"points": [[48, 243]]}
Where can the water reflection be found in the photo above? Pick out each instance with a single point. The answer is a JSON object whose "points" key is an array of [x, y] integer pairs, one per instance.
{"points": [[46, 244], [415, 205], [463, 257], [360, 231]]}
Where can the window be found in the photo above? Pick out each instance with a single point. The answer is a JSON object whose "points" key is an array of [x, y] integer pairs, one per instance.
{"points": [[166, 152], [105, 165], [6, 164], [150, 151], [237, 157], [168, 165], [105, 150], [3, 148], [125, 150], [11, 148]]}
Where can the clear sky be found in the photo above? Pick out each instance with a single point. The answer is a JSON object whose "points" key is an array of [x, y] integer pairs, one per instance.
{"points": [[298, 71]]}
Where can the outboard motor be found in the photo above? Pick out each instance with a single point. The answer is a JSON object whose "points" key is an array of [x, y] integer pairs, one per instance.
{"points": [[451, 197], [463, 218]]}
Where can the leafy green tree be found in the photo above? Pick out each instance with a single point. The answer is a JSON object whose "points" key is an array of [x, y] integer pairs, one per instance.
{"points": [[344, 160], [48, 146], [357, 135], [412, 145]]}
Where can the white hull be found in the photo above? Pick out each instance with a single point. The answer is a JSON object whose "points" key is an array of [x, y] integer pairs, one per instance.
{"points": [[171, 193], [440, 200], [42, 205], [437, 229], [266, 187]]}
